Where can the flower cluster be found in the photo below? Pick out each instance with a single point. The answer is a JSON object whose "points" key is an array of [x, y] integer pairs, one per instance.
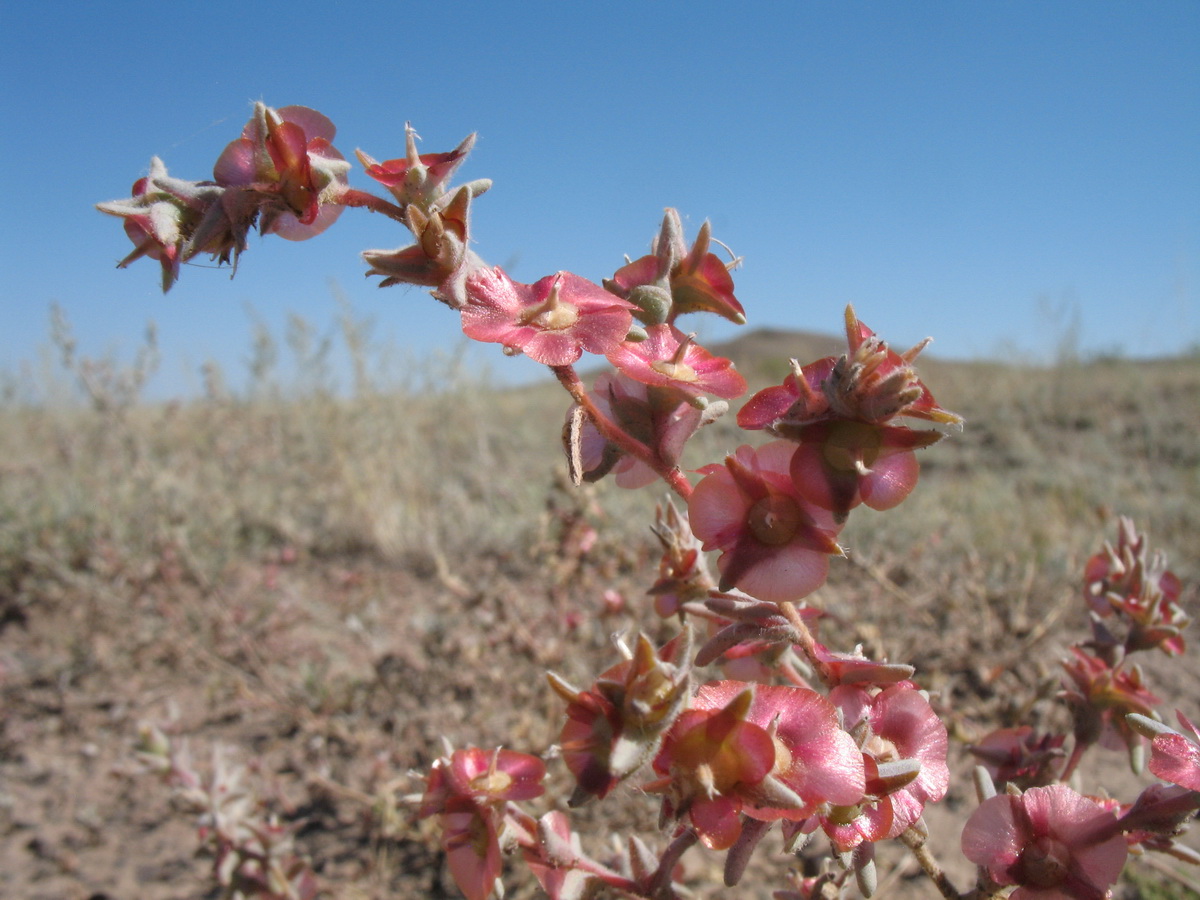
{"points": [[620, 721], [470, 791], [1053, 843], [252, 853], [1043, 836], [1125, 585], [282, 175], [842, 413], [793, 733]]}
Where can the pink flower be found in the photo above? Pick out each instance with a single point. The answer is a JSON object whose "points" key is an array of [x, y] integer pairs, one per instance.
{"points": [[161, 216], [712, 760], [1176, 758], [840, 464], [814, 757], [552, 321], [1128, 580], [870, 383], [421, 179], [441, 257], [1101, 696], [468, 792], [841, 411], [904, 746], [1052, 842], [673, 280], [800, 399], [669, 358], [286, 157], [660, 418], [1021, 756], [618, 723], [775, 544], [482, 777]]}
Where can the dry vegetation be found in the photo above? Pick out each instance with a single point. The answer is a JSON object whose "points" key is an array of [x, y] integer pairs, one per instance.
{"points": [[328, 584]]}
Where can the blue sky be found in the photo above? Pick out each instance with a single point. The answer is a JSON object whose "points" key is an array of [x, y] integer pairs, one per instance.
{"points": [[987, 173]]}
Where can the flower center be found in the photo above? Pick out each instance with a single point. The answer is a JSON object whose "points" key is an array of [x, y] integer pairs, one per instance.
{"points": [[783, 756], [552, 314], [676, 368], [881, 749], [494, 783], [558, 318], [851, 447], [676, 371], [774, 519], [1045, 863]]}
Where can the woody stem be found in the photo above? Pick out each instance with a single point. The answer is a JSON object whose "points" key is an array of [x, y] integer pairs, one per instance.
{"points": [[915, 842]]}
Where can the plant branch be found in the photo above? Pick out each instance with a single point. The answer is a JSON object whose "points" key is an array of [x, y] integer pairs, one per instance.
{"points": [[372, 203], [915, 842], [612, 432], [804, 638]]}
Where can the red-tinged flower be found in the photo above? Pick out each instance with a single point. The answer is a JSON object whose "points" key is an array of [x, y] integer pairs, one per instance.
{"points": [[552, 321], [483, 778], [1053, 843], [471, 841], [553, 860], [870, 383], [674, 280], [712, 760], [420, 179], [669, 358], [814, 758], [683, 574], [775, 544], [904, 746], [619, 723], [1160, 812], [441, 257], [171, 220], [286, 158], [468, 792], [1176, 758], [800, 399], [660, 418], [840, 464], [841, 411], [1020, 756], [1101, 696], [1127, 580]]}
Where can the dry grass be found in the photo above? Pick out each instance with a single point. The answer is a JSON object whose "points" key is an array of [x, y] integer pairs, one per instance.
{"points": [[331, 583]]}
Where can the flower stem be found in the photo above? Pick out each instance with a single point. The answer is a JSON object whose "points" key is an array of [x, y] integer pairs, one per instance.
{"points": [[613, 432], [804, 638], [662, 879], [915, 841], [370, 202], [1076, 755]]}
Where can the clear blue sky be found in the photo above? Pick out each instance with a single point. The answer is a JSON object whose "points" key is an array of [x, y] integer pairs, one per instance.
{"points": [[976, 171]]}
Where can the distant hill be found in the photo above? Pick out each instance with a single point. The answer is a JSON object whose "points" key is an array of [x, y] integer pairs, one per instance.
{"points": [[763, 354]]}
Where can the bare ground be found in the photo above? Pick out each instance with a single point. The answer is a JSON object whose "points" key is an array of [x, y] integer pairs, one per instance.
{"points": [[333, 673]]}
